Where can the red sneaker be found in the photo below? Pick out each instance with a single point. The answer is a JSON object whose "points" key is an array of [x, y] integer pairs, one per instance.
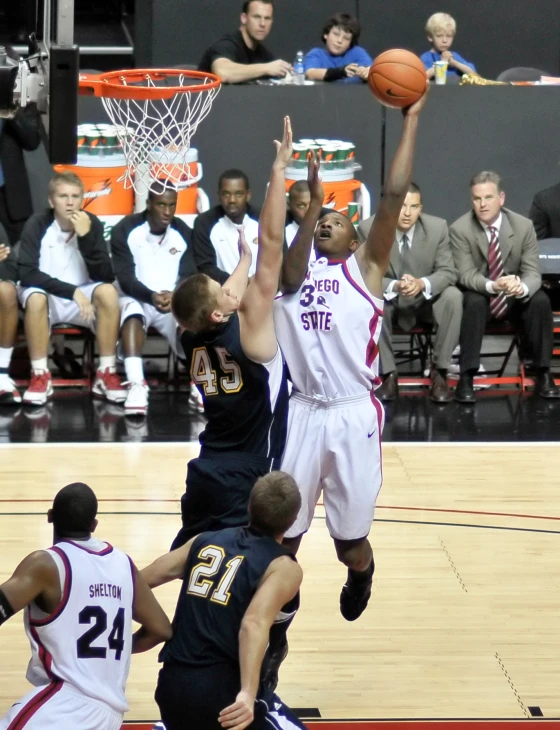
{"points": [[107, 384], [40, 389]]}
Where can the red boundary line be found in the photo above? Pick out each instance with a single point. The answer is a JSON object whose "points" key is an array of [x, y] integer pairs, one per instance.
{"points": [[384, 506]]}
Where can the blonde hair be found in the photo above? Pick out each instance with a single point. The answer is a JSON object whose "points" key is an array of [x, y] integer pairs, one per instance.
{"points": [[440, 21], [64, 178], [192, 303]]}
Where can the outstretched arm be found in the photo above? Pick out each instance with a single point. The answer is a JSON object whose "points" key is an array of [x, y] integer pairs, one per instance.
{"points": [[168, 567], [258, 337], [374, 256], [154, 624], [239, 279], [296, 260]]}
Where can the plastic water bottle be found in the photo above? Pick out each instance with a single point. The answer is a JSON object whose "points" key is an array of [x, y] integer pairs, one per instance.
{"points": [[299, 73]]}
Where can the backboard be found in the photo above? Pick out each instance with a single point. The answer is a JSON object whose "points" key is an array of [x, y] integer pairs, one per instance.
{"points": [[48, 77]]}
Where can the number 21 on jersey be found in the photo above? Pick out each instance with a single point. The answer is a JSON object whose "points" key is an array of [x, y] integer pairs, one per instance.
{"points": [[205, 375], [200, 583]]}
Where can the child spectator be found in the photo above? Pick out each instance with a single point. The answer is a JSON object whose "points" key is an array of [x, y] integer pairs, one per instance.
{"points": [[342, 59], [441, 29]]}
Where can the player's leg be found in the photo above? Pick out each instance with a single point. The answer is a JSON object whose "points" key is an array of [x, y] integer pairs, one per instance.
{"points": [[105, 300], [133, 336], [8, 332], [36, 324], [53, 705], [350, 487], [447, 311]]}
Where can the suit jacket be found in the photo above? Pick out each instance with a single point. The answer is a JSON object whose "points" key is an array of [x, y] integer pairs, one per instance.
{"points": [[545, 213], [430, 254], [18, 134], [518, 246]]}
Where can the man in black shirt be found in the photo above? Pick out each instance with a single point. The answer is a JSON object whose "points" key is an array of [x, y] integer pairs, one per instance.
{"points": [[240, 57], [237, 584]]}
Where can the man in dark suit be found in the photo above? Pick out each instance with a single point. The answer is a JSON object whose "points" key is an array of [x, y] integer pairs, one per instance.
{"points": [[418, 287], [19, 133], [545, 213], [497, 256]]}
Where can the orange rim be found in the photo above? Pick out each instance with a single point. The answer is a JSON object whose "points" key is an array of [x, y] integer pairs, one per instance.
{"points": [[115, 84]]}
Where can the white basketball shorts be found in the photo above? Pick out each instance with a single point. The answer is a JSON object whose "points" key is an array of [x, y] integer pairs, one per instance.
{"points": [[62, 311], [56, 705], [334, 447], [165, 324]]}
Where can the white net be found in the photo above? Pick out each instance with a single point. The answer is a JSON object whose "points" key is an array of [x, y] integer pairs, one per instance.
{"points": [[155, 134]]}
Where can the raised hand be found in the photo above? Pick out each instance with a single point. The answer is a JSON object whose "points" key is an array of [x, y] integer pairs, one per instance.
{"points": [[284, 148], [243, 247], [414, 109], [315, 184]]}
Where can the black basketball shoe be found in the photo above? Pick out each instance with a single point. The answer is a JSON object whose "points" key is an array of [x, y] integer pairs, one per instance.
{"points": [[355, 595]]}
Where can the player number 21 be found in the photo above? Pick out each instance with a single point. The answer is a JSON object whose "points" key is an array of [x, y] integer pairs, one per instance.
{"points": [[204, 374], [199, 581]]}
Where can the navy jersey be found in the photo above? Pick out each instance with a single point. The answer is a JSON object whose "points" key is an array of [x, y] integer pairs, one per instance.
{"points": [[222, 575], [246, 403]]}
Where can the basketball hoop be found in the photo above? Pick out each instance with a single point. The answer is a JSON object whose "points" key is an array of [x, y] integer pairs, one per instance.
{"points": [[155, 113]]}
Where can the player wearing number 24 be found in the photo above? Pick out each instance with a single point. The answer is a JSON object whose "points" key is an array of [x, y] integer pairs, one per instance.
{"points": [[80, 597]]}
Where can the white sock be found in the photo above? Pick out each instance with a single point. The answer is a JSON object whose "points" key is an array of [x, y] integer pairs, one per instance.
{"points": [[134, 369], [5, 357], [40, 364], [107, 362]]}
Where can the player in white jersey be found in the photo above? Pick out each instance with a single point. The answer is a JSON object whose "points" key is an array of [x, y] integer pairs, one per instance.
{"points": [[328, 323], [80, 597]]}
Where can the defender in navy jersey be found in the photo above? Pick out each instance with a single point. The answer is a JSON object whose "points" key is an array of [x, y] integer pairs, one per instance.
{"points": [[80, 597], [237, 583], [328, 322], [235, 361]]}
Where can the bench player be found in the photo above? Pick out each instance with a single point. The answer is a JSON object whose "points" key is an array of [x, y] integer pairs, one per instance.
{"points": [[234, 358], [328, 323], [80, 598], [235, 583]]}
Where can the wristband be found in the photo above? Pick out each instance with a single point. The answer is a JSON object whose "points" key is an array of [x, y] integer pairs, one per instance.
{"points": [[335, 74], [6, 610]]}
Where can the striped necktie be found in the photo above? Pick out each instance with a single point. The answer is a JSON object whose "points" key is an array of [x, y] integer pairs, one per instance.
{"points": [[498, 303]]}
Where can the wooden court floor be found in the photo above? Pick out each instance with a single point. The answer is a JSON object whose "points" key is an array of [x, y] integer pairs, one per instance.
{"points": [[463, 621]]}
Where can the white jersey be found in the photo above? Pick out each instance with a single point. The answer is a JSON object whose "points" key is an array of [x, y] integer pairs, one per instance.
{"points": [[87, 640], [329, 330]]}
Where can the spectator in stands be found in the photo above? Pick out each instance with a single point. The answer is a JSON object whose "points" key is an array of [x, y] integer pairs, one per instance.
{"points": [[441, 29], [497, 256], [151, 252], [241, 56], [66, 277], [216, 232], [9, 394], [19, 133], [341, 59], [419, 288], [545, 213]]}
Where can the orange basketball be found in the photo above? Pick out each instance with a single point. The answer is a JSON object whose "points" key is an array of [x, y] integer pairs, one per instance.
{"points": [[397, 78]]}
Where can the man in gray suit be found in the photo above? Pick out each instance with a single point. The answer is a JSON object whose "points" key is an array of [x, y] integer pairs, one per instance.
{"points": [[497, 256], [418, 287]]}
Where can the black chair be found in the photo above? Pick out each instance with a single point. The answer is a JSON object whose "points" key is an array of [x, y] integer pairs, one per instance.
{"points": [[522, 73]]}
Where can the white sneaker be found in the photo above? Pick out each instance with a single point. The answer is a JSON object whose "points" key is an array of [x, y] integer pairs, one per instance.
{"points": [[8, 392], [136, 403], [40, 389]]}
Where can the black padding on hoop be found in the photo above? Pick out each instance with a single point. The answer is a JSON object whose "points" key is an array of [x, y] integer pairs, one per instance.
{"points": [[8, 77]]}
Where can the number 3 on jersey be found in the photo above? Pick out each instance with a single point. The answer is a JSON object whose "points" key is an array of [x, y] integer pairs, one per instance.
{"points": [[204, 374], [199, 583]]}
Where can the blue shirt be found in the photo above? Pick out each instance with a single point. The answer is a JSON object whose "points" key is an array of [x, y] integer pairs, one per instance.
{"points": [[321, 58], [430, 57]]}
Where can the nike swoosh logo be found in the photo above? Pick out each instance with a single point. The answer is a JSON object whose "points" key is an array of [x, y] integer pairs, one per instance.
{"points": [[390, 92], [370, 434]]}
